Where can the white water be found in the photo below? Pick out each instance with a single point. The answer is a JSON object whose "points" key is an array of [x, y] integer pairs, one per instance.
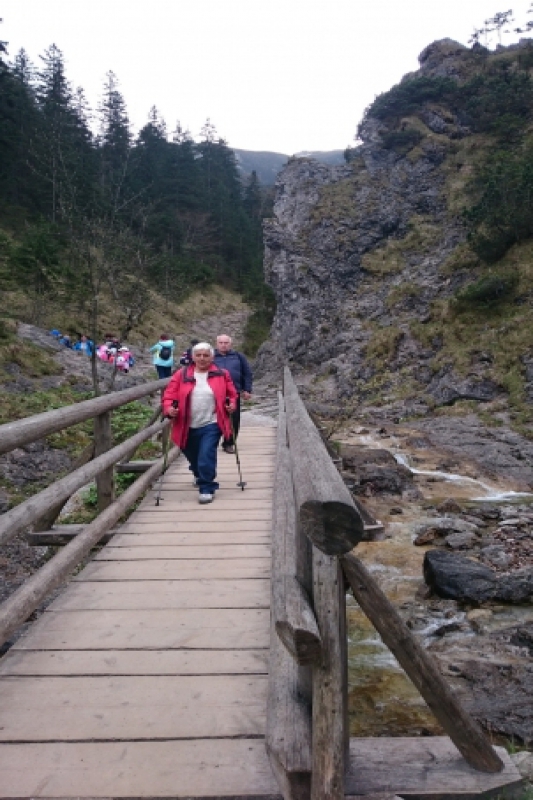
{"points": [[491, 494]]}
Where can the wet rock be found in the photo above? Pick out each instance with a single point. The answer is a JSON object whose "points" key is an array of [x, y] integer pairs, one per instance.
{"points": [[461, 540], [453, 575], [449, 506], [459, 578], [479, 617], [442, 527], [495, 555], [523, 637], [375, 471]]}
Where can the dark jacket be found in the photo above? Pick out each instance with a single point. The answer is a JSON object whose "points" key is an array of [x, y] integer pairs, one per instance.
{"points": [[238, 368]]}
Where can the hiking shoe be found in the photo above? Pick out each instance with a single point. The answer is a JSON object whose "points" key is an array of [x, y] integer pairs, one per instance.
{"points": [[228, 448], [205, 498]]}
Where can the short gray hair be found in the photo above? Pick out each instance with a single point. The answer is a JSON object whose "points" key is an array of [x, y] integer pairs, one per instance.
{"points": [[203, 346]]}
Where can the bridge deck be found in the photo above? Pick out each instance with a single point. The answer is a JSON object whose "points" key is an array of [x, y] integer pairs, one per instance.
{"points": [[147, 677]]}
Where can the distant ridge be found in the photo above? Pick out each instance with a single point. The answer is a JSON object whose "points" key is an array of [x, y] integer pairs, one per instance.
{"points": [[267, 165]]}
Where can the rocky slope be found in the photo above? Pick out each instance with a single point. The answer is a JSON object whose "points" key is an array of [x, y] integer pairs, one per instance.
{"points": [[367, 260]]}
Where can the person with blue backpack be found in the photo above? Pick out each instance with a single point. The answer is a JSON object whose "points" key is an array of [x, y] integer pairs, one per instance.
{"points": [[163, 356], [241, 375]]}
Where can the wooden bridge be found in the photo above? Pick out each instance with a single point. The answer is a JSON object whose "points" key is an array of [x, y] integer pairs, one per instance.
{"points": [[201, 653]]}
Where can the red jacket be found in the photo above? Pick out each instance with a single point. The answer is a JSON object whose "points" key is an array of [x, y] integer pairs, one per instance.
{"points": [[180, 387]]}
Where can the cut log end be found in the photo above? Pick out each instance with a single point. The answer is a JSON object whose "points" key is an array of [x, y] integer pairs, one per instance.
{"points": [[334, 527]]}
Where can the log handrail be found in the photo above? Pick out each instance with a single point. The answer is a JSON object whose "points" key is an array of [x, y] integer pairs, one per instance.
{"points": [[29, 429], [324, 511], [19, 517], [28, 597]]}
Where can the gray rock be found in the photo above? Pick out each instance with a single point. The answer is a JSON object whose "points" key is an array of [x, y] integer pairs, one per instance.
{"points": [[462, 540], [456, 577]]}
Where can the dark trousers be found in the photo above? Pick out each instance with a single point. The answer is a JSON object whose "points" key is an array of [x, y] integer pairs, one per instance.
{"points": [[236, 417], [201, 453], [163, 372]]}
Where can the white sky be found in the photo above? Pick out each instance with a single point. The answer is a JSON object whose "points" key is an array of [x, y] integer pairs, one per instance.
{"points": [[279, 75]]}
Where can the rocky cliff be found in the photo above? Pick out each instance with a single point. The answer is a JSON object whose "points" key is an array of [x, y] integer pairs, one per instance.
{"points": [[367, 261]]}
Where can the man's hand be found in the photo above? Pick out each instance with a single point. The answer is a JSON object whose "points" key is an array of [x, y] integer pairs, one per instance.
{"points": [[246, 395], [230, 407]]}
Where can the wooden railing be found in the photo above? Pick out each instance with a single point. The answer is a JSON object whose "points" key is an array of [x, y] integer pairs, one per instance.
{"points": [[97, 462], [316, 525]]}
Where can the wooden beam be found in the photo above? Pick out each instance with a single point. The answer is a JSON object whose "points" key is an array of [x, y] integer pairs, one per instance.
{"points": [[61, 535], [133, 466], [293, 616], [464, 732], [327, 513], [103, 442], [295, 621], [45, 522], [19, 433], [19, 517], [22, 603], [288, 729], [330, 701]]}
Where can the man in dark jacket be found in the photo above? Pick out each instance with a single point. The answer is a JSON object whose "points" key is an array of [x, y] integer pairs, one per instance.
{"points": [[241, 375]]}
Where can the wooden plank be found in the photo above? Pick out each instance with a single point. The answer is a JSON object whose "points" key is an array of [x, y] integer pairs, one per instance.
{"points": [[464, 731], [131, 707], [210, 539], [204, 525], [217, 629], [327, 513], [174, 570], [134, 662], [216, 552], [208, 511], [143, 594], [422, 766], [229, 768]]}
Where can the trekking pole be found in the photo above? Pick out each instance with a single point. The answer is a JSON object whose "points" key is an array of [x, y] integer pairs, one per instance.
{"points": [[241, 483], [165, 458]]}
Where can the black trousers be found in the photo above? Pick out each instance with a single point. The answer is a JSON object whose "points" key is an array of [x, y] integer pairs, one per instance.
{"points": [[236, 418]]}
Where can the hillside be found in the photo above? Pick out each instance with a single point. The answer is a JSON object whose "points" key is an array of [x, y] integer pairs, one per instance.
{"points": [[268, 165], [403, 279]]}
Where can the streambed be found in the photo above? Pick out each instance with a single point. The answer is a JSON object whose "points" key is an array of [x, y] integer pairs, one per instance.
{"points": [[382, 699]]}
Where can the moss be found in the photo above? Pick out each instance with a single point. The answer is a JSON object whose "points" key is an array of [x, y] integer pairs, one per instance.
{"points": [[382, 346]]}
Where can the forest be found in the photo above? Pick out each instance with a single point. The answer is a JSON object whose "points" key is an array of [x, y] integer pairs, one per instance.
{"points": [[86, 206]]}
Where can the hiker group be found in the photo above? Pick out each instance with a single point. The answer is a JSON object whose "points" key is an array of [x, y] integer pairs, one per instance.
{"points": [[111, 351], [203, 399]]}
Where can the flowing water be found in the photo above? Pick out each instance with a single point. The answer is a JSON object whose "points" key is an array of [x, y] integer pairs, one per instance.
{"points": [[382, 700]]}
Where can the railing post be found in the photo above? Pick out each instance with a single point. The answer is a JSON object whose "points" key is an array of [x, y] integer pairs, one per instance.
{"points": [[103, 441]]}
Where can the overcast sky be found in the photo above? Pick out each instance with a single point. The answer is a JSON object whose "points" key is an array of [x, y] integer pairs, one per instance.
{"points": [[279, 75]]}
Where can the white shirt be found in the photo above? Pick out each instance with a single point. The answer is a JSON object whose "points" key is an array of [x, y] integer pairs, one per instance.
{"points": [[202, 402]]}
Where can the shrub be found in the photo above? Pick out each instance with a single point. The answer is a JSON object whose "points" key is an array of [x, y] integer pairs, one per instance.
{"points": [[488, 292], [401, 141], [406, 97]]}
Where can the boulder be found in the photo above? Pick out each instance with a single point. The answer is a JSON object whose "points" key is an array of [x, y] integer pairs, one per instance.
{"points": [[459, 578], [456, 577], [461, 540]]}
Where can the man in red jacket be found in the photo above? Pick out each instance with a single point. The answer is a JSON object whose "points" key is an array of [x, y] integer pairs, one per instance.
{"points": [[198, 399]]}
